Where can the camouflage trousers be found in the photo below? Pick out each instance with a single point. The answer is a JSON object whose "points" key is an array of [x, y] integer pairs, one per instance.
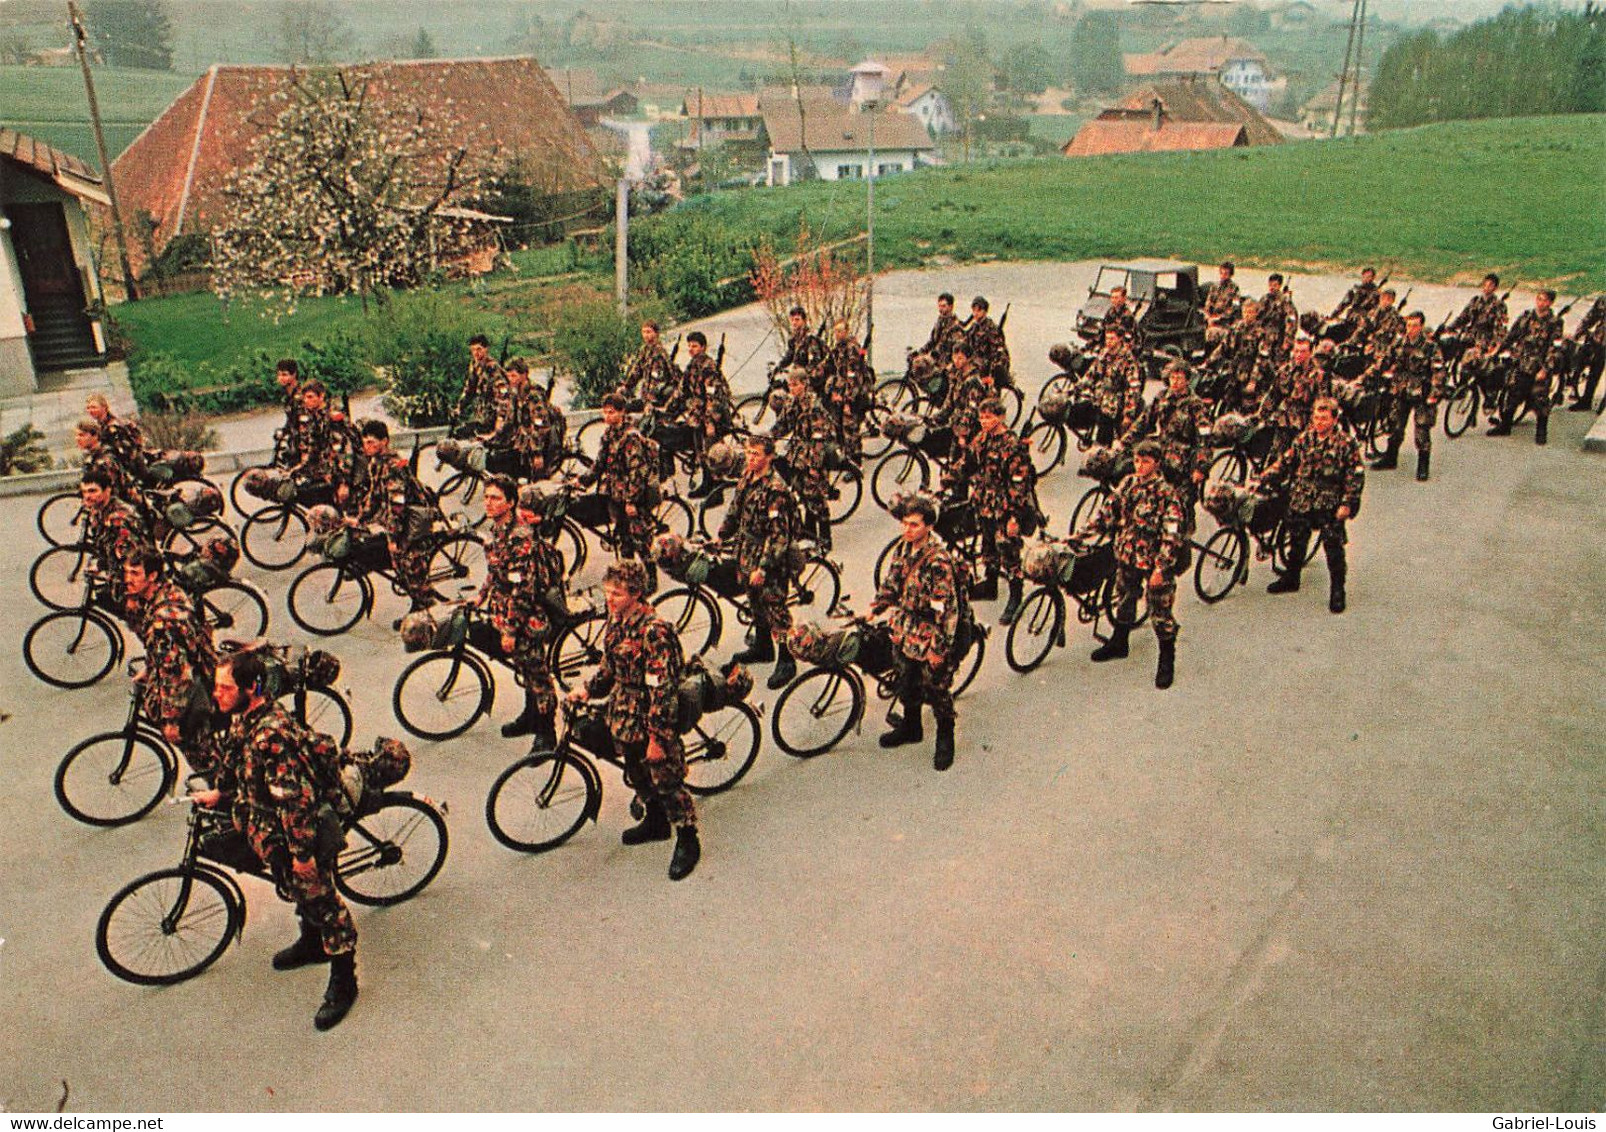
{"points": [[813, 492], [1333, 534], [317, 902], [1132, 580], [1425, 416], [411, 565], [632, 534], [1526, 387], [531, 664], [922, 683], [663, 782], [768, 603], [1000, 553]]}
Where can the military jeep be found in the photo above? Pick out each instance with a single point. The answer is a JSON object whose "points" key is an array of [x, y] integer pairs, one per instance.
{"points": [[1164, 297]]}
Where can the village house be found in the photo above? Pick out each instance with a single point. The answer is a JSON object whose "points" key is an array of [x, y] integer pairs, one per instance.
{"points": [[817, 138], [1174, 114], [1239, 66]]}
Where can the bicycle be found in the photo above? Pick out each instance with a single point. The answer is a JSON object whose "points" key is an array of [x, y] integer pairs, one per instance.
{"points": [[61, 577], [1223, 560], [279, 461], [543, 799], [1065, 569], [826, 701], [174, 923], [906, 467], [911, 394], [117, 777], [330, 597], [844, 492]]}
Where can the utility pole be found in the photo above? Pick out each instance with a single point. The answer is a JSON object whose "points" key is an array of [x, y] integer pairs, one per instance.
{"points": [[1355, 93], [621, 246], [869, 236], [80, 37], [1343, 77]]}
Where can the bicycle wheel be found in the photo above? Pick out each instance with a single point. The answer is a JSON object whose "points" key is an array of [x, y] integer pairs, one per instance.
{"points": [[326, 712], [59, 518], [971, 665], [59, 577], [711, 510], [883, 559], [751, 410], [241, 500], [115, 778], [1036, 630], [72, 648], [168, 926], [873, 441], [1013, 404], [274, 537], [1461, 410], [1221, 564], [441, 695], [816, 712], [577, 651], [589, 438], [393, 850], [901, 470], [897, 394], [1107, 603], [326, 600], [1230, 466], [694, 617], [675, 517], [186, 542], [457, 566], [845, 490], [541, 801], [571, 543], [1047, 442], [237, 609], [721, 748], [819, 586], [1088, 506]]}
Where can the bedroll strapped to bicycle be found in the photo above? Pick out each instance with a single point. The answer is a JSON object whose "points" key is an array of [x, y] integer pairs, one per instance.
{"points": [[168, 465], [910, 427], [702, 691], [464, 455], [695, 565], [868, 646], [271, 485], [1232, 428], [421, 630], [192, 501], [725, 459], [211, 567], [1106, 465]]}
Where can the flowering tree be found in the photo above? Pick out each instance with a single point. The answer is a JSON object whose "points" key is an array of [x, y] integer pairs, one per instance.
{"points": [[343, 191], [827, 286]]}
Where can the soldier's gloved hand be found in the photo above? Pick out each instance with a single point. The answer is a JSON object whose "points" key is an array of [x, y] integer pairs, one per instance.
{"points": [[305, 868], [170, 732], [508, 642], [756, 579], [207, 798], [1341, 514]]}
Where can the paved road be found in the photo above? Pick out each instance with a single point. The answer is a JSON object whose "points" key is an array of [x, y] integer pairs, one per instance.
{"points": [[1346, 863]]}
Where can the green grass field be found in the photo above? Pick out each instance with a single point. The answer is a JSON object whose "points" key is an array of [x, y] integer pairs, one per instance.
{"points": [[49, 103], [1524, 197]]}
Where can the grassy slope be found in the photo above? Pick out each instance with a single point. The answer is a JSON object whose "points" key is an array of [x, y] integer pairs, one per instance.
{"points": [[49, 103], [1524, 197]]}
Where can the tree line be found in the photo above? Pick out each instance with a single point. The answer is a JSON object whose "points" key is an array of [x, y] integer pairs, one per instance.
{"points": [[1529, 60]]}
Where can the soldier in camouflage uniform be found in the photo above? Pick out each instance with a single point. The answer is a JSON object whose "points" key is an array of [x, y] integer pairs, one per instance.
{"points": [[324, 446], [626, 471], [284, 807], [1482, 322], [1289, 396], [709, 408], [989, 353], [122, 438], [1321, 472], [1359, 300], [1177, 420], [803, 348], [810, 432], [1115, 381], [179, 658], [923, 592], [1119, 317], [1144, 516], [1003, 493], [386, 494], [476, 404], [1414, 373], [522, 571], [113, 531], [1243, 356], [968, 387], [848, 384], [650, 377], [1590, 342], [1221, 305], [1381, 328], [1278, 316], [760, 528], [124, 480], [945, 332], [1531, 343], [640, 674]]}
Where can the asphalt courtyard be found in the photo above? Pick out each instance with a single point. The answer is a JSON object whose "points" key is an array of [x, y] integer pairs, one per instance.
{"points": [[1349, 862]]}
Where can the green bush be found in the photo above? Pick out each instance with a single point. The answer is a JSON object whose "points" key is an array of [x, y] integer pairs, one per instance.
{"points": [[186, 432], [420, 341], [593, 343], [683, 257], [23, 451], [339, 361]]}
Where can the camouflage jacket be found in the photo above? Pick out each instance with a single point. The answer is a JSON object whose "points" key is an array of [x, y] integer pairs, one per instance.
{"points": [[1383, 327], [1003, 483], [959, 408], [803, 349], [527, 423], [125, 485], [1279, 316], [922, 588], [324, 448], [1240, 352], [846, 375], [1145, 515], [1358, 302], [625, 470], [265, 763], [1292, 391], [1483, 319], [988, 351], [1531, 340], [125, 441], [1122, 321], [809, 426], [178, 650], [113, 533], [477, 401], [1116, 382], [1179, 425], [761, 525], [1592, 327], [522, 571], [388, 489], [651, 376], [1414, 368], [1321, 473], [945, 333], [707, 395], [640, 674], [1222, 302]]}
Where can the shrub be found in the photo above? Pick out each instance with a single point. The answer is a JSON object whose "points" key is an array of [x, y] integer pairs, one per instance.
{"points": [[593, 343], [340, 362], [420, 341], [187, 432], [683, 257], [24, 451]]}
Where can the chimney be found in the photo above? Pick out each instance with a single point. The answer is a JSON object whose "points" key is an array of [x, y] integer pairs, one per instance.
{"points": [[1159, 114]]}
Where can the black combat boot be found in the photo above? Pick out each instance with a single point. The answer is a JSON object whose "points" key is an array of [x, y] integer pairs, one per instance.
{"points": [[304, 952], [1390, 459], [341, 993], [1542, 431], [1581, 405], [688, 851], [1012, 606], [785, 669], [1166, 672], [1287, 583], [652, 576], [944, 758], [1421, 467], [906, 730], [1116, 647], [1336, 602], [525, 722], [761, 651], [986, 589], [653, 827], [1500, 428]]}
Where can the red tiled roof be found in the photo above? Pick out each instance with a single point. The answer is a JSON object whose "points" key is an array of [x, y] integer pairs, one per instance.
{"points": [[720, 105], [1138, 135], [44, 159], [1203, 99], [835, 129], [176, 169], [1192, 57]]}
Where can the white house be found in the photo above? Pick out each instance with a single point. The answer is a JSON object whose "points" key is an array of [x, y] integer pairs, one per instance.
{"points": [[839, 141], [869, 83], [1240, 66], [47, 268], [932, 107]]}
